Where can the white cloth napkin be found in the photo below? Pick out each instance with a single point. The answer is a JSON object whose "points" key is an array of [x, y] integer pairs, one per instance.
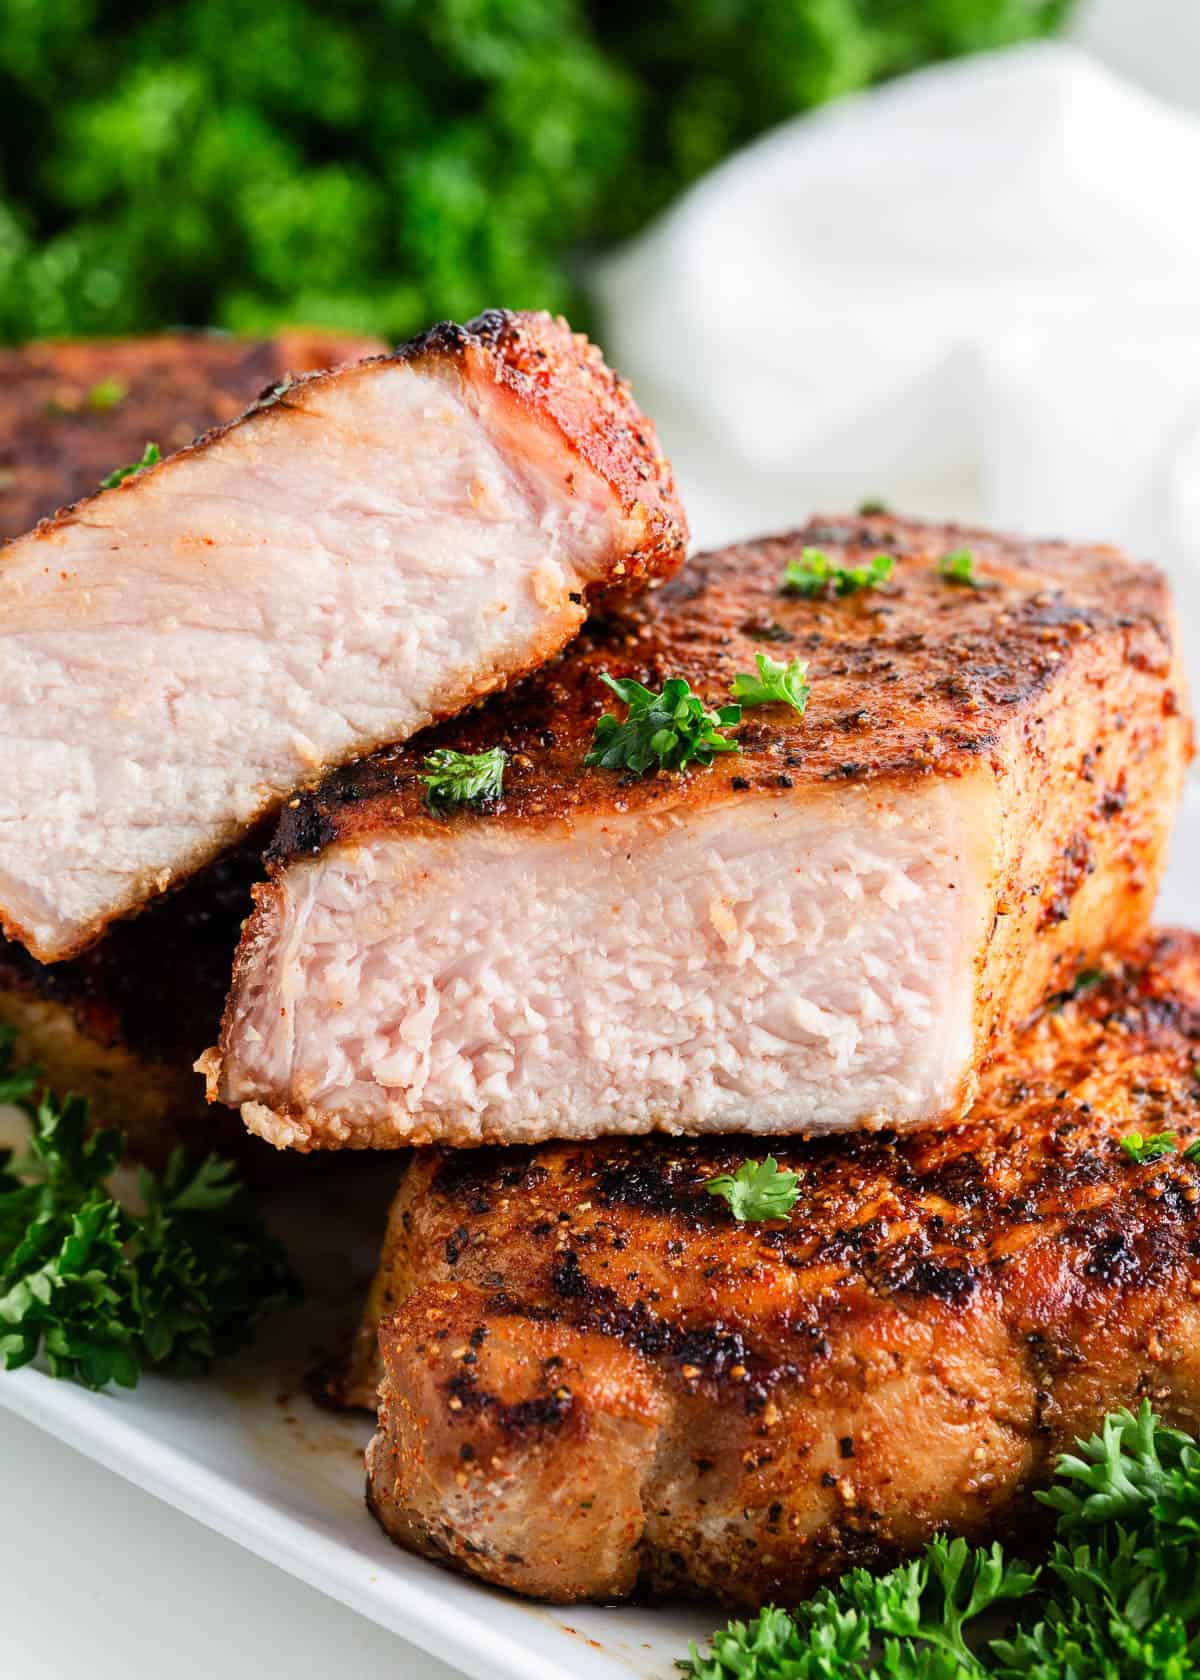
{"points": [[974, 293]]}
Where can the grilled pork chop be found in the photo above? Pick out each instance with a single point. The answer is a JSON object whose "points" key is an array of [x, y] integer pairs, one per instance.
{"points": [[363, 551], [830, 928], [122, 1023], [596, 1383], [71, 412]]}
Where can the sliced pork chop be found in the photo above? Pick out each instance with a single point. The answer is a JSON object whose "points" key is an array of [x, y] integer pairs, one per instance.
{"points": [[120, 1025], [363, 551], [596, 1383], [829, 929], [72, 411]]}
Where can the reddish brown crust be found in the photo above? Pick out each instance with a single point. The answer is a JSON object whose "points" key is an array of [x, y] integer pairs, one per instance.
{"points": [[938, 1318], [556, 376], [555, 372], [55, 447], [918, 678]]}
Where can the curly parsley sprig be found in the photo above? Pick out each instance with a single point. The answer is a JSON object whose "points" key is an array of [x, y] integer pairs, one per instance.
{"points": [[1118, 1598], [814, 573], [458, 778], [151, 455], [660, 731], [777, 683], [104, 1293], [757, 1190], [1143, 1150], [959, 568]]}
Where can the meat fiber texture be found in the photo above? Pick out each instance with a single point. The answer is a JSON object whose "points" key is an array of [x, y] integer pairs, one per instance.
{"points": [[596, 1383], [832, 928], [364, 551], [122, 1023]]}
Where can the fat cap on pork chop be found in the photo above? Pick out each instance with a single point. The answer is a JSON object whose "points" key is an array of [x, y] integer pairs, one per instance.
{"points": [[597, 1384], [364, 551], [833, 927]]}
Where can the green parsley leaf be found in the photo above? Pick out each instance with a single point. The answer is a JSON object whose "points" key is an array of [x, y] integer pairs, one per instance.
{"points": [[1118, 1599], [816, 574], [457, 778], [103, 1292], [150, 455], [776, 682], [757, 1190], [662, 731], [959, 568], [1142, 1149], [1086, 980], [872, 505], [106, 394]]}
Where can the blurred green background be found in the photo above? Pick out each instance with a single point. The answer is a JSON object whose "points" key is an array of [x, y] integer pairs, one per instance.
{"points": [[376, 164]]}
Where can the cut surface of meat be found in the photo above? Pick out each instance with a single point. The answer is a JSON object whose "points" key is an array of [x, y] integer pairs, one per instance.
{"points": [[596, 1383], [830, 928], [364, 551], [121, 1025], [73, 410]]}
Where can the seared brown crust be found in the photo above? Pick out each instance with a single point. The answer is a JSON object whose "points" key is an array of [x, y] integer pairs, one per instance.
{"points": [[551, 373], [122, 1024], [57, 440], [597, 1383], [917, 678], [1058, 682]]}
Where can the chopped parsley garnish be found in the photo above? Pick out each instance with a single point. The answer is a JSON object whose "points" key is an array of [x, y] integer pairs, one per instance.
{"points": [[105, 1293], [457, 778], [816, 574], [959, 568], [757, 1190], [1117, 1598], [106, 394], [872, 505], [662, 731], [776, 682], [150, 455], [1086, 980], [1143, 1149]]}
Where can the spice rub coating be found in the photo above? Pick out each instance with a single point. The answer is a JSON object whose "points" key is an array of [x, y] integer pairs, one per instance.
{"points": [[597, 1384], [830, 928], [915, 678]]}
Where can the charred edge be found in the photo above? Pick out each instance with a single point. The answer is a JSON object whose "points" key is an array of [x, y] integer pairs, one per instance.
{"points": [[305, 829], [711, 1353], [537, 1416]]}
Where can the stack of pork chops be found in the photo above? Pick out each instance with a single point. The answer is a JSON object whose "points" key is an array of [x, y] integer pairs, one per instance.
{"points": [[537, 900]]}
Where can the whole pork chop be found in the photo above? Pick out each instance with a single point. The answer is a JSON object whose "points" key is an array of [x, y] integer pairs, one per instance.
{"points": [[597, 1383], [832, 927], [365, 550]]}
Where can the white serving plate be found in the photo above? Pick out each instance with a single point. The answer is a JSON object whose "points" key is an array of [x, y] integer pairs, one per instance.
{"points": [[246, 1452]]}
